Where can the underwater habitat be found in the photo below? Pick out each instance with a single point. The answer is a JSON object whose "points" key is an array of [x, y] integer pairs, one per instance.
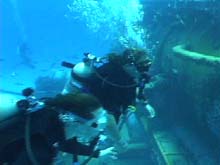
{"points": [[155, 98]]}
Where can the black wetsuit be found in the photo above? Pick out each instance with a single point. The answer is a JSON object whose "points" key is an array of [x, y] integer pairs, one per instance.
{"points": [[113, 87], [45, 130]]}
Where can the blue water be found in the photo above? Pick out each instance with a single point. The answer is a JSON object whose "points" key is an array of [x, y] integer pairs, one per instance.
{"points": [[184, 91], [50, 36]]}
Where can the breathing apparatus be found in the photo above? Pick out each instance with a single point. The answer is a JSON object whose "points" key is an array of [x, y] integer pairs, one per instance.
{"points": [[85, 69], [136, 64], [81, 72], [89, 59], [138, 58], [29, 105], [92, 59]]}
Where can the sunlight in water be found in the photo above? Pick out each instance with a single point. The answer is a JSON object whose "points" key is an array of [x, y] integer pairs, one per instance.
{"points": [[118, 20]]}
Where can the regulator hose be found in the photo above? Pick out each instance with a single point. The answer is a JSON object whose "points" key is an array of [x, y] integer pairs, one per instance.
{"points": [[29, 150]]}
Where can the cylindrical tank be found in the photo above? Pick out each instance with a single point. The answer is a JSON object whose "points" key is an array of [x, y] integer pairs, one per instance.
{"points": [[8, 104]]}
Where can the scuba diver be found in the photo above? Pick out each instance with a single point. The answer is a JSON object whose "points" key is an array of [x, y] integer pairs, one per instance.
{"points": [[40, 130], [24, 52], [117, 80], [117, 83]]}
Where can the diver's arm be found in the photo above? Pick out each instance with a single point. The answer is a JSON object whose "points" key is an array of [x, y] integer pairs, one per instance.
{"points": [[113, 132]]}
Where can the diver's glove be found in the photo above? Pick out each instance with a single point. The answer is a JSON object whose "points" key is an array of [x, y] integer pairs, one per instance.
{"points": [[121, 145], [146, 108], [108, 152], [151, 110]]}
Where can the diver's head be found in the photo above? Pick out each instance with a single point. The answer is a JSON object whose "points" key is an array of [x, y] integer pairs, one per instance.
{"points": [[83, 112], [81, 104], [85, 129], [137, 57], [136, 62], [27, 92]]}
